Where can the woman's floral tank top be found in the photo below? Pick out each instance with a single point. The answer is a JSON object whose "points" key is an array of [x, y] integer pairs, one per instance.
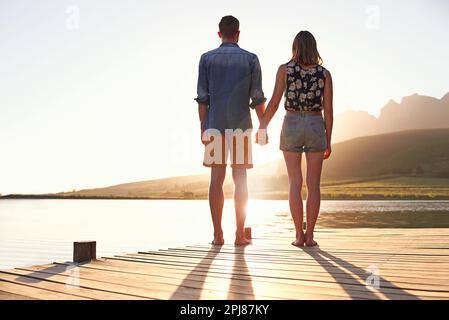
{"points": [[305, 87]]}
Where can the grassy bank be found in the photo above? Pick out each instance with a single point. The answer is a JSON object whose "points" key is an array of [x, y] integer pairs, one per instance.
{"points": [[396, 188]]}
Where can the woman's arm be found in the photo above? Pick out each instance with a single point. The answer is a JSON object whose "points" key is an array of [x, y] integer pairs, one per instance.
{"points": [[260, 110], [328, 112], [278, 92]]}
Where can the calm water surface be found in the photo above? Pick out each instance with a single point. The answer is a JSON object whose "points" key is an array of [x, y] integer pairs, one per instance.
{"points": [[42, 231]]}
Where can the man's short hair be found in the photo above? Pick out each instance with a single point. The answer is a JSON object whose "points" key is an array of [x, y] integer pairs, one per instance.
{"points": [[229, 26]]}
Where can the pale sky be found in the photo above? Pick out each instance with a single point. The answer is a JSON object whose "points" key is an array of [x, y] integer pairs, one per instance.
{"points": [[95, 93]]}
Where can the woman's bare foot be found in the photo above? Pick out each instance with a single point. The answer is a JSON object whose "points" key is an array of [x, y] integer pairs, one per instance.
{"points": [[299, 242], [218, 239], [240, 240], [309, 240]]}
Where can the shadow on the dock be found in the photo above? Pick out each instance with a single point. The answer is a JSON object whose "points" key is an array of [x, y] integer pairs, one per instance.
{"points": [[198, 274], [238, 288], [240, 267], [44, 274], [353, 279]]}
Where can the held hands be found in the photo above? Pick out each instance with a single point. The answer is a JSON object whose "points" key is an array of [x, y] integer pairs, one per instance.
{"points": [[262, 137]]}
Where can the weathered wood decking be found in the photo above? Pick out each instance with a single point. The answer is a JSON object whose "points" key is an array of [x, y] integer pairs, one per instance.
{"points": [[411, 264]]}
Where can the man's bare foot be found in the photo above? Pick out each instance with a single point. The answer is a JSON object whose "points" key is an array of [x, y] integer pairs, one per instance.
{"points": [[299, 242], [309, 240], [240, 240], [218, 239], [218, 242]]}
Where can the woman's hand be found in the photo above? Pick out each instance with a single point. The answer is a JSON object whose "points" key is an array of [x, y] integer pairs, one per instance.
{"points": [[328, 152]]}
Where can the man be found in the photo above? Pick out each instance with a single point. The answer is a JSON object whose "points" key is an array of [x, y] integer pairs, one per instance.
{"points": [[229, 77]]}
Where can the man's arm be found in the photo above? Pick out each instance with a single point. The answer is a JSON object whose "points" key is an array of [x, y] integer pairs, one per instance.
{"points": [[256, 93], [202, 112], [203, 94], [328, 112]]}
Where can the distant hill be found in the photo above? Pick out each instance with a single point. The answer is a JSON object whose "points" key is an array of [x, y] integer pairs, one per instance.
{"points": [[417, 151], [168, 187], [413, 112], [422, 153]]}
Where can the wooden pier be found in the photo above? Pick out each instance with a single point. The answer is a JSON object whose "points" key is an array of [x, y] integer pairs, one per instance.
{"points": [[349, 264]]}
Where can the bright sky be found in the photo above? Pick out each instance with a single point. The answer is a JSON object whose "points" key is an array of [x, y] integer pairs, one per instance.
{"points": [[95, 93]]}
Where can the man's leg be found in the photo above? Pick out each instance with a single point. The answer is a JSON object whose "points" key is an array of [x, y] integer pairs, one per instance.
{"points": [[216, 201], [240, 202], [314, 166]]}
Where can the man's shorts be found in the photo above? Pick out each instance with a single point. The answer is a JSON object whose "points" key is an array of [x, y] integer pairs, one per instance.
{"points": [[234, 146], [303, 133]]}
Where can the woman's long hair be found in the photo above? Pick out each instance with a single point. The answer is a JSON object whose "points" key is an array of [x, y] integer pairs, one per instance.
{"points": [[305, 50]]}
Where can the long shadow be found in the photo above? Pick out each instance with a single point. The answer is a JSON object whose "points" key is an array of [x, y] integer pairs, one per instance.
{"points": [[198, 275], [240, 267], [354, 281], [44, 274]]}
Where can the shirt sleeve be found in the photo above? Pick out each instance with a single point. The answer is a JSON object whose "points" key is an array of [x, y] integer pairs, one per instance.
{"points": [[256, 92], [202, 87]]}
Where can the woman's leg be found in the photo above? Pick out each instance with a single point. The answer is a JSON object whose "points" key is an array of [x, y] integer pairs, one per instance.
{"points": [[314, 165], [293, 162]]}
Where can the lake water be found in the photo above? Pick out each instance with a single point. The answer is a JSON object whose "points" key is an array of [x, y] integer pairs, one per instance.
{"points": [[42, 231]]}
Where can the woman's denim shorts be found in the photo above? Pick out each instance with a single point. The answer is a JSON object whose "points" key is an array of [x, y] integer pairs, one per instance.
{"points": [[302, 132]]}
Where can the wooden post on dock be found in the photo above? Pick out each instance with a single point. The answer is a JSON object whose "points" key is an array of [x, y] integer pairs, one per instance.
{"points": [[84, 251], [248, 234]]}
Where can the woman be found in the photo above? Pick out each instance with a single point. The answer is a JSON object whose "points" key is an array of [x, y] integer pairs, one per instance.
{"points": [[308, 91]]}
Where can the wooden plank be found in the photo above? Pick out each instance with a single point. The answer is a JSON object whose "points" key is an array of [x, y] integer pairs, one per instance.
{"points": [[307, 274], [301, 282], [289, 275], [299, 258], [127, 290], [440, 253], [281, 267], [34, 292], [362, 271], [58, 284], [12, 296], [244, 288]]}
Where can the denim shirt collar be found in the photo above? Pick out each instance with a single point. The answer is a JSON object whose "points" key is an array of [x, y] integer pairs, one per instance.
{"points": [[229, 44]]}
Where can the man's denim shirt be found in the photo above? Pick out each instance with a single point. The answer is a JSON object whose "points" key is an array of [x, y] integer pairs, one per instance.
{"points": [[228, 78]]}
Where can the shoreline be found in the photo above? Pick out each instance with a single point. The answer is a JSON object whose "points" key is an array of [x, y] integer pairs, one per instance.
{"points": [[255, 197]]}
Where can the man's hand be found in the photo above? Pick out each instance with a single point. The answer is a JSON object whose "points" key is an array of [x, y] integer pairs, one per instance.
{"points": [[262, 136], [328, 152], [203, 137]]}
